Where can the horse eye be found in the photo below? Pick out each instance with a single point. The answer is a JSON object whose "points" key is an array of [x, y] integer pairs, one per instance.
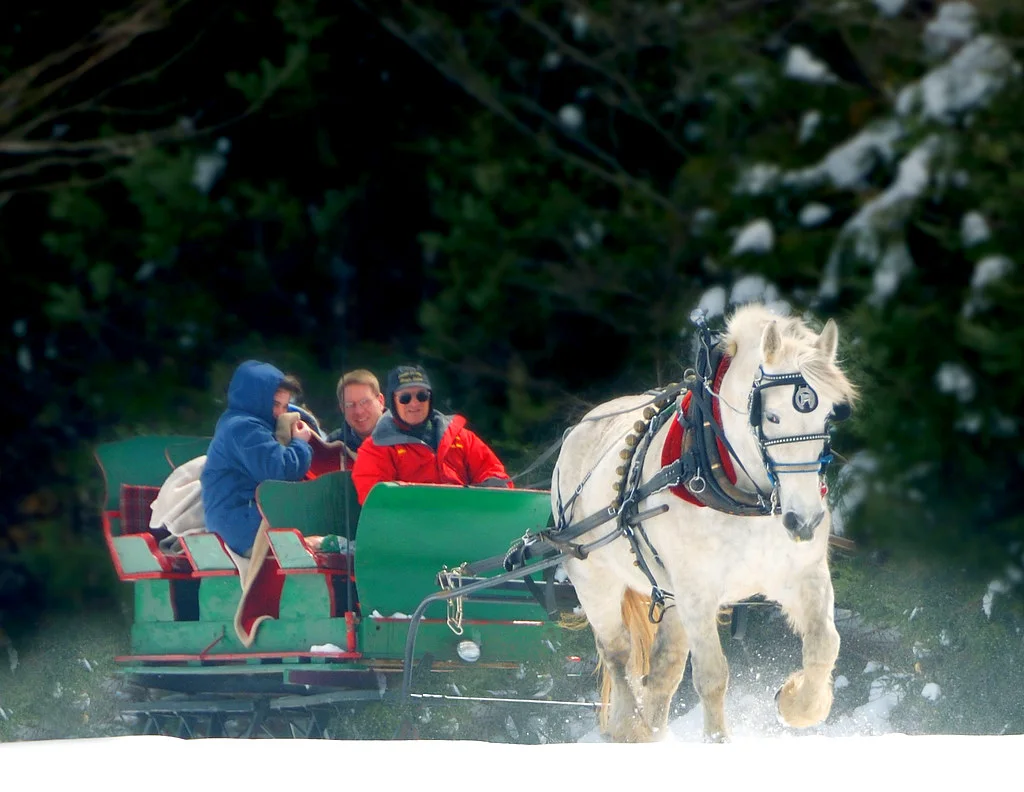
{"points": [[772, 417]]}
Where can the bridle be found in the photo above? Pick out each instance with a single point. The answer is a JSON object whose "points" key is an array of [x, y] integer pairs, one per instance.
{"points": [[805, 400]]}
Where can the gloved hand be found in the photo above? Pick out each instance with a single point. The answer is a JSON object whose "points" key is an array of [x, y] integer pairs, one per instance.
{"points": [[492, 482]]}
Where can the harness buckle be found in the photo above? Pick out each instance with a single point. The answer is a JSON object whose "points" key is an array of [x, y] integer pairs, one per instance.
{"points": [[658, 607], [449, 579]]}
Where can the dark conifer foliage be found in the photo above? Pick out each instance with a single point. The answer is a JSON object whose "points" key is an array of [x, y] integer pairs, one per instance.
{"points": [[529, 198]]}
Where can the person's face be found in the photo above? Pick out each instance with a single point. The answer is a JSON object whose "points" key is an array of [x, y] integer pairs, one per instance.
{"points": [[362, 408], [417, 408], [281, 399]]}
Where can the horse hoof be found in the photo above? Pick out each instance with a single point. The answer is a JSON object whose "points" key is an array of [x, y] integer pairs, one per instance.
{"points": [[798, 710]]}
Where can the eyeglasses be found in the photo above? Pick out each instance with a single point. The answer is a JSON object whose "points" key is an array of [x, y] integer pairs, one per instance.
{"points": [[361, 403], [421, 396]]}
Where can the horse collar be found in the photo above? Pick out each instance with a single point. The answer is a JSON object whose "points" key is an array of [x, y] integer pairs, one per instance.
{"points": [[698, 447]]}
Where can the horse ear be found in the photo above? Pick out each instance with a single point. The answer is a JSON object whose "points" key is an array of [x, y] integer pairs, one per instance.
{"points": [[771, 342], [828, 341]]}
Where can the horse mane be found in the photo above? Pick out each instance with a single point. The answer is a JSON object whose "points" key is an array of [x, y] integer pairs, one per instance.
{"points": [[799, 343]]}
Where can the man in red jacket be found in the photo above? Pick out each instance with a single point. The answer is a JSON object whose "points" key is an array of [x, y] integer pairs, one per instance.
{"points": [[415, 443]]}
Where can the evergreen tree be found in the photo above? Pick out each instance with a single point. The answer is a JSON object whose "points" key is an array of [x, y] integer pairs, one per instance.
{"points": [[857, 160]]}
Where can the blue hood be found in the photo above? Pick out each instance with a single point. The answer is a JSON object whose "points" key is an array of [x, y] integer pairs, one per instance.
{"points": [[252, 389], [245, 452]]}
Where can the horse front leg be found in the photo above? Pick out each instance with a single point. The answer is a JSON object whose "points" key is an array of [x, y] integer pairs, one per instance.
{"points": [[710, 669], [668, 661], [805, 699]]}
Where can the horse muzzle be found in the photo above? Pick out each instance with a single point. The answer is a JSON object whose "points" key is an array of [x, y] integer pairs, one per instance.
{"points": [[800, 528]]}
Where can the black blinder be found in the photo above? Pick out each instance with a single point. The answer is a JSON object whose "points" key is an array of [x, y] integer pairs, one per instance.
{"points": [[840, 411], [755, 407]]}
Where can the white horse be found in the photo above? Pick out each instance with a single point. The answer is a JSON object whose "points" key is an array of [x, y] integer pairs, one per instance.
{"points": [[780, 389]]}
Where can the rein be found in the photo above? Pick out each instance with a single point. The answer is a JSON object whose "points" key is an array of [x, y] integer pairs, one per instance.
{"points": [[657, 397]]}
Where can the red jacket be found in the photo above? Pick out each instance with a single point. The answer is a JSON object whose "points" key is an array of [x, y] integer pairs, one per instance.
{"points": [[390, 455]]}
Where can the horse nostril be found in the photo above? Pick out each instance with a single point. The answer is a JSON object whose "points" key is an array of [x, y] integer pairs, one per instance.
{"points": [[800, 529], [816, 521]]}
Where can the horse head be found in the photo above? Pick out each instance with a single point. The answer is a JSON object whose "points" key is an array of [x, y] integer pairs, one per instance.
{"points": [[795, 391]]}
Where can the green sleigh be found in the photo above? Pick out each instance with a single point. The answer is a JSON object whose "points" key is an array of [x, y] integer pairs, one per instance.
{"points": [[332, 623]]}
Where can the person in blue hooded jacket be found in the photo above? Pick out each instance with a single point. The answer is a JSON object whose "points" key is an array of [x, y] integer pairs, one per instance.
{"points": [[244, 452]]}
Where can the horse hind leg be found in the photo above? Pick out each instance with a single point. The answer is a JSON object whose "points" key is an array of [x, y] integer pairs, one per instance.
{"points": [[667, 663], [623, 645], [619, 715]]}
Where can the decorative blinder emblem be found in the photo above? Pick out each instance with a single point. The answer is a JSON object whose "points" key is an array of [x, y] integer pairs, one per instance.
{"points": [[805, 400]]}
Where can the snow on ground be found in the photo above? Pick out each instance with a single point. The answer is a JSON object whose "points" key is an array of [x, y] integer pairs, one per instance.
{"points": [[751, 763]]}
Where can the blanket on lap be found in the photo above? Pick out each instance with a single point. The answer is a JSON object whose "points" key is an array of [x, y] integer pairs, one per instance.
{"points": [[261, 589], [179, 505]]}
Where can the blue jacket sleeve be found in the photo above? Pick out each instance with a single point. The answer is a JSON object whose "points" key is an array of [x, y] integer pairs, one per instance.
{"points": [[265, 458]]}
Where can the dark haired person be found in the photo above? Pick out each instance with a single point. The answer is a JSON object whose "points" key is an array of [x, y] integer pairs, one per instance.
{"points": [[244, 451]]}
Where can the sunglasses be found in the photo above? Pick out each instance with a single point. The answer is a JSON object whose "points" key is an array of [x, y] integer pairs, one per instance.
{"points": [[421, 396]]}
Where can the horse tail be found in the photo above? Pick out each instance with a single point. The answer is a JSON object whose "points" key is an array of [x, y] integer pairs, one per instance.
{"points": [[635, 610]]}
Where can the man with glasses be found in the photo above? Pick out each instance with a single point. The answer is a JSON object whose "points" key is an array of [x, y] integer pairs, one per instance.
{"points": [[415, 443], [362, 404]]}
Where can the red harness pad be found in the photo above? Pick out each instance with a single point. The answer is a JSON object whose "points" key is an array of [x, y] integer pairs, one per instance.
{"points": [[674, 442]]}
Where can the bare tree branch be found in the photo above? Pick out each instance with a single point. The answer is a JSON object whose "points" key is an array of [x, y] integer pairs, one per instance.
{"points": [[95, 104], [455, 66], [19, 92], [69, 87], [634, 105]]}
